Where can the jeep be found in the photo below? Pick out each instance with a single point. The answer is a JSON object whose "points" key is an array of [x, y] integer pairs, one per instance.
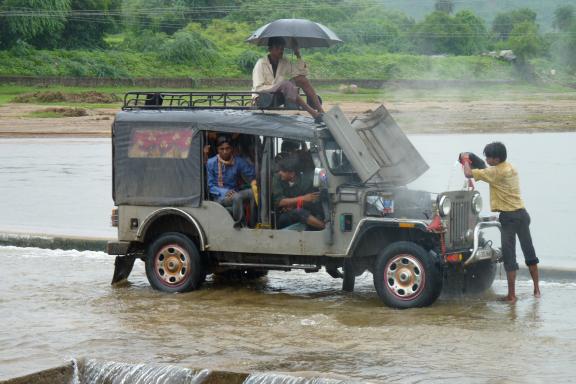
{"points": [[413, 242]]}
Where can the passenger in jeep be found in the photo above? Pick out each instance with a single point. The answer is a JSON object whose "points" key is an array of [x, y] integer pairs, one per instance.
{"points": [[295, 200], [274, 73], [225, 171]]}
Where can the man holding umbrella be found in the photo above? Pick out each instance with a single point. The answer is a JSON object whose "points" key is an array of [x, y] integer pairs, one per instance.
{"points": [[274, 73]]}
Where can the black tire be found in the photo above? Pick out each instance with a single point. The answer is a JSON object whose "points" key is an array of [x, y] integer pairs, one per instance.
{"points": [[405, 276], [479, 277], [174, 264]]}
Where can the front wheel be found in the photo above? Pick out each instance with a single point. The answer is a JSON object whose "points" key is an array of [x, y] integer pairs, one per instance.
{"points": [[173, 264], [405, 276]]}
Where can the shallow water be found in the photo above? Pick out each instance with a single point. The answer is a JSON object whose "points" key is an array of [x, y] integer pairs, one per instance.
{"points": [[64, 186], [57, 305]]}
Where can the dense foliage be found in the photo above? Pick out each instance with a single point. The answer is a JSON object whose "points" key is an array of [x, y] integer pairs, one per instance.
{"points": [[206, 37]]}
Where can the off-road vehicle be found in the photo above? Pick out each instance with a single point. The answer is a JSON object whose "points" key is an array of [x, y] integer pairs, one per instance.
{"points": [[413, 242]]}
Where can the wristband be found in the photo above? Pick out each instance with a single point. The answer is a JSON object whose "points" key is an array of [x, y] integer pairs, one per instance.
{"points": [[299, 202]]}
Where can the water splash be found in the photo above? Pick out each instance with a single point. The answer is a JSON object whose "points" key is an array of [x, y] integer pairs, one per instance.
{"points": [[99, 372], [276, 378], [76, 374], [456, 170]]}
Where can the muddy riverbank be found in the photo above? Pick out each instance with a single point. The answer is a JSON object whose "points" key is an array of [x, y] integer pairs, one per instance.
{"points": [[542, 114]]}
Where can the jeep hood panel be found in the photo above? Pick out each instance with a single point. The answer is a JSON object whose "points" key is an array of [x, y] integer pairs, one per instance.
{"points": [[376, 147]]}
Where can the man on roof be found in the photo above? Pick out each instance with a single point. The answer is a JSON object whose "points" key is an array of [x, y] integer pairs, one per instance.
{"points": [[274, 73]]}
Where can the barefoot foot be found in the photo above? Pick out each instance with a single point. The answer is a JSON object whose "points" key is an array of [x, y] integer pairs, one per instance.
{"points": [[507, 299]]}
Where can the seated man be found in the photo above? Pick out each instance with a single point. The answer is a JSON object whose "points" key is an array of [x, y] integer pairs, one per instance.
{"points": [[224, 170], [294, 198], [274, 73]]}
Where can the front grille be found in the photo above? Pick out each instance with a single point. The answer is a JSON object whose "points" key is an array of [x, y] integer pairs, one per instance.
{"points": [[458, 224]]}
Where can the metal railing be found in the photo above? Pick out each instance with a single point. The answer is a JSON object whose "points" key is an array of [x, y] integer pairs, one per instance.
{"points": [[139, 100]]}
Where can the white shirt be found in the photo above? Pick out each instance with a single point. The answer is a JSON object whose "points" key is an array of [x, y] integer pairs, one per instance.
{"points": [[263, 75]]}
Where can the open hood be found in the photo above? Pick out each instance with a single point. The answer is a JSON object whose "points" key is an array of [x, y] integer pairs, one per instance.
{"points": [[376, 147]]}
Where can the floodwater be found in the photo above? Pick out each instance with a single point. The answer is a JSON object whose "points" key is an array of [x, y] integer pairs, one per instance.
{"points": [[64, 186], [58, 305]]}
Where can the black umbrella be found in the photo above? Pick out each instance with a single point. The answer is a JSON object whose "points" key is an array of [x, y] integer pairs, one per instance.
{"points": [[299, 33]]}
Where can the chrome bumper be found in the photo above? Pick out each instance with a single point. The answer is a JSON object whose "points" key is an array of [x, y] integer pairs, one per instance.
{"points": [[486, 252]]}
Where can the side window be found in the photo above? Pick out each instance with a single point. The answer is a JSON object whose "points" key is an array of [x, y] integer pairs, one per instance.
{"points": [[337, 160]]}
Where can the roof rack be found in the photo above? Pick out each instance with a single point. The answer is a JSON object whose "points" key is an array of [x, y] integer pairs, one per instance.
{"points": [[139, 100]]}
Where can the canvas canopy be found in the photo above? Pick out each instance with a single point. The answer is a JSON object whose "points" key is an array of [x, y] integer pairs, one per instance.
{"points": [[157, 158]]}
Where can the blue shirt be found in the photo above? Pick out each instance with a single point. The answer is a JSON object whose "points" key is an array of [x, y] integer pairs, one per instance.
{"points": [[230, 176]]}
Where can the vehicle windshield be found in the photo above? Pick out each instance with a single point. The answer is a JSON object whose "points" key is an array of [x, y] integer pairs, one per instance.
{"points": [[337, 160]]}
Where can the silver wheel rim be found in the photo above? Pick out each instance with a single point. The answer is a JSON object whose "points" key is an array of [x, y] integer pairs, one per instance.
{"points": [[404, 277], [172, 265]]}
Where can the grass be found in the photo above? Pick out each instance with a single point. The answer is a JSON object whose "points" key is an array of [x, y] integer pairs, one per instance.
{"points": [[44, 114], [331, 94], [57, 112]]}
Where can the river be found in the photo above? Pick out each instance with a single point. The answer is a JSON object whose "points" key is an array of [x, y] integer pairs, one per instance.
{"points": [[57, 305], [63, 186]]}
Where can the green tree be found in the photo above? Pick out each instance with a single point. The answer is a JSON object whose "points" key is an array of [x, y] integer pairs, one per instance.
{"points": [[504, 23], [440, 33], [379, 28], [446, 6], [564, 17], [526, 43], [36, 21], [80, 31], [260, 12], [189, 47]]}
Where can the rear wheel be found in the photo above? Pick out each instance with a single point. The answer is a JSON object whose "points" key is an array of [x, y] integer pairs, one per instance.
{"points": [[405, 276], [173, 264]]}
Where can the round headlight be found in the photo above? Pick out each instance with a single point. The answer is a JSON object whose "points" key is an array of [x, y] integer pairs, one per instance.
{"points": [[477, 203], [444, 206]]}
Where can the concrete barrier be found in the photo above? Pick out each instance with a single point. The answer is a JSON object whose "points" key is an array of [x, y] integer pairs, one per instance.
{"points": [[188, 83], [39, 240], [84, 371], [69, 373]]}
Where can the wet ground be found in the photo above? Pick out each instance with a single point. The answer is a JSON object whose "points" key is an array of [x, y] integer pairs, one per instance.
{"points": [[56, 305]]}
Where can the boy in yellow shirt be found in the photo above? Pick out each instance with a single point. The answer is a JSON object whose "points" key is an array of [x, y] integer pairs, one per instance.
{"points": [[514, 219]]}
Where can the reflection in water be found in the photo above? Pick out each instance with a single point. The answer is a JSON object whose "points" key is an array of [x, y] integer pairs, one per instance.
{"points": [[59, 305]]}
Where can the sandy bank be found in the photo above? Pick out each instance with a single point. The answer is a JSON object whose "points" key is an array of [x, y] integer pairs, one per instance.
{"points": [[414, 117]]}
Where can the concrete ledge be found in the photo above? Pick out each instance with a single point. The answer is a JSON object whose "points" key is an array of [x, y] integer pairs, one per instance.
{"points": [[246, 83], [39, 240], [57, 375]]}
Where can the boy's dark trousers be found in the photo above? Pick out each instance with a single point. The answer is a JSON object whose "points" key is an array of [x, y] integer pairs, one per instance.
{"points": [[516, 223]]}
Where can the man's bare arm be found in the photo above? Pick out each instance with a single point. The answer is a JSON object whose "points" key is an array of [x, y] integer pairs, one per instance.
{"points": [[465, 160]]}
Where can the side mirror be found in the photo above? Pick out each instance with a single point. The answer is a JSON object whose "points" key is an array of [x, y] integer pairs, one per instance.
{"points": [[320, 178]]}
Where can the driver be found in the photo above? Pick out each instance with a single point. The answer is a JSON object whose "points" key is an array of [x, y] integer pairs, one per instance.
{"points": [[295, 198]]}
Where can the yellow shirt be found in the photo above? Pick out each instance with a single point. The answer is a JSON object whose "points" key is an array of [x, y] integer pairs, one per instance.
{"points": [[504, 186]]}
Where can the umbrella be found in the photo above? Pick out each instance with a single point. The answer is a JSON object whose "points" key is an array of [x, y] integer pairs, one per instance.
{"points": [[297, 32]]}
